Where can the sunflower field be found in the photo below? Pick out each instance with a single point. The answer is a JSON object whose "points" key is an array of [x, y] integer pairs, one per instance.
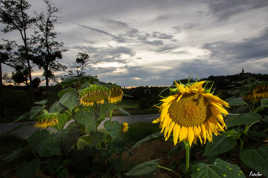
{"points": [[196, 134]]}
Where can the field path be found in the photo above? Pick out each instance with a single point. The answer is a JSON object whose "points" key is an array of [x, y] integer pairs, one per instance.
{"points": [[25, 129]]}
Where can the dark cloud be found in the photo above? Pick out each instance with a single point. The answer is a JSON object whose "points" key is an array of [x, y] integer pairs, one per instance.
{"points": [[224, 9], [248, 49], [162, 35], [116, 38], [106, 54]]}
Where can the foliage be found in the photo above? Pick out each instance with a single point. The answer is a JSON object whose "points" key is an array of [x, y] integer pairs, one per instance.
{"points": [[219, 169], [80, 122], [86, 141]]}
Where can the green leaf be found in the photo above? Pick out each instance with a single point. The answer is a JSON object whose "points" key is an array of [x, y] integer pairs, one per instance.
{"points": [[14, 155], [63, 118], [144, 168], [236, 101], [256, 159], [69, 100], [42, 102], [235, 134], [56, 107], [45, 144], [86, 119], [92, 140], [62, 92], [29, 169], [263, 106], [35, 111], [265, 119], [219, 169], [123, 111], [146, 139], [113, 128], [264, 102], [243, 119], [220, 144]]}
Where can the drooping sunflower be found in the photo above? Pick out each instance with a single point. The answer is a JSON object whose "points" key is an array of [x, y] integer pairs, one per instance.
{"points": [[99, 94], [116, 94], [257, 93], [93, 94], [193, 113], [46, 124]]}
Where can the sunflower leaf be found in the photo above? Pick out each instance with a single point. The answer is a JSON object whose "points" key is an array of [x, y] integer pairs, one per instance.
{"points": [[220, 144], [56, 107], [86, 119], [236, 101], [264, 102], [42, 102], [29, 169], [243, 119], [45, 144], [146, 139], [144, 168], [219, 169], [113, 128], [69, 100], [256, 159]]}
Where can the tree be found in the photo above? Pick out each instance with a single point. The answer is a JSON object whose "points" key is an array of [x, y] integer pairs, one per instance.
{"points": [[13, 14], [7, 56], [81, 60], [47, 50]]}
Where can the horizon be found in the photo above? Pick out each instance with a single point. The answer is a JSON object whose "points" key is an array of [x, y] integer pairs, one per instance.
{"points": [[153, 42], [42, 84]]}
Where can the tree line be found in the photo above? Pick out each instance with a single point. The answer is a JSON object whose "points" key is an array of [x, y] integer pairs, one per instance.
{"points": [[36, 44]]}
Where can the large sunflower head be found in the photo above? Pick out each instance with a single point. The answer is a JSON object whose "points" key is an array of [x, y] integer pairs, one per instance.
{"points": [[193, 112], [93, 94]]}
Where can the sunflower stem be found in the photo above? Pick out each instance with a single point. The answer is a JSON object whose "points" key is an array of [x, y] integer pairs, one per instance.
{"points": [[187, 154]]}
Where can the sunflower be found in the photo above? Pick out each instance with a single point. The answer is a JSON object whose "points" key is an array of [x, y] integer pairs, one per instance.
{"points": [[192, 113], [257, 93], [47, 123], [116, 94], [93, 94], [99, 93], [124, 127], [260, 92]]}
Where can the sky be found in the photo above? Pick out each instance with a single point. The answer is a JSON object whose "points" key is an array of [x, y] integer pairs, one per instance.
{"points": [[154, 42]]}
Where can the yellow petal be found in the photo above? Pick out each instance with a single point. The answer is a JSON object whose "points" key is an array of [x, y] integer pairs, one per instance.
{"points": [[176, 131], [198, 84], [180, 87], [183, 133], [215, 99], [171, 126], [190, 135], [156, 121], [204, 132], [220, 108]]}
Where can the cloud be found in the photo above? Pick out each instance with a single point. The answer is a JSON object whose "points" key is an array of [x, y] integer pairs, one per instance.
{"points": [[153, 42], [118, 39], [236, 52], [225, 9]]}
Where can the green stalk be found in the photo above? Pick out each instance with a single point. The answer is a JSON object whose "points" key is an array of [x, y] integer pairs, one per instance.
{"points": [[187, 154], [168, 169]]}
